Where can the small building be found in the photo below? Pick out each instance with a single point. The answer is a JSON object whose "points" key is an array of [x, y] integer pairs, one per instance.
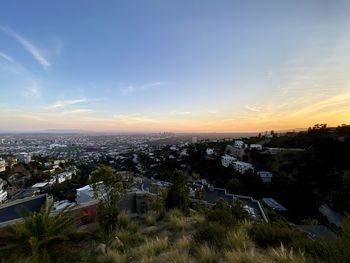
{"points": [[242, 167], [210, 151], [84, 194], [24, 158], [227, 160], [256, 147], [60, 178], [239, 144], [265, 176], [234, 151]]}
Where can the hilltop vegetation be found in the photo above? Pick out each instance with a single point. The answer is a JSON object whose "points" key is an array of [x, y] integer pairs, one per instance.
{"points": [[220, 234]]}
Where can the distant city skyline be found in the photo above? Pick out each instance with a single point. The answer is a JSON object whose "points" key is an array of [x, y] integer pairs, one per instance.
{"points": [[177, 66]]}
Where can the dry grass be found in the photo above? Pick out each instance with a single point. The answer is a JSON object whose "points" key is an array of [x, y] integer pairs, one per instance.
{"points": [[239, 239], [285, 255], [183, 243], [177, 256], [150, 219], [206, 254], [177, 221], [112, 257], [245, 256], [150, 248], [125, 222]]}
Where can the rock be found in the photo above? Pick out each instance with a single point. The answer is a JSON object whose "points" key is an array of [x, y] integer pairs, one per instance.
{"points": [[101, 248], [115, 243]]}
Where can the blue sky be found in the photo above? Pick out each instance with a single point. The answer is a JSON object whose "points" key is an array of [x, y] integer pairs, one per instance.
{"points": [[174, 65]]}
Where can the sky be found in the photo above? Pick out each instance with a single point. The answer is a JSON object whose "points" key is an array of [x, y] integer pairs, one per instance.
{"points": [[180, 66]]}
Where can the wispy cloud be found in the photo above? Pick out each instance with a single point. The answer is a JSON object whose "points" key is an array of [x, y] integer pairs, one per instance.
{"points": [[78, 111], [33, 90], [6, 57], [131, 88], [9, 64], [181, 112], [30, 117], [253, 108], [64, 103], [29, 46]]}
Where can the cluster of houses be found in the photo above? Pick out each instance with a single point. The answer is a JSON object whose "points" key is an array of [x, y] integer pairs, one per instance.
{"points": [[241, 167]]}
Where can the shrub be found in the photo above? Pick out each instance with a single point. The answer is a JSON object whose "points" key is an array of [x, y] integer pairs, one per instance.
{"points": [[213, 233], [266, 235], [221, 216]]}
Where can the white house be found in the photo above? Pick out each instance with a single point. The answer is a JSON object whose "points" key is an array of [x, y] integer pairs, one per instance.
{"points": [[24, 158], [242, 167], [210, 151], [239, 144], [63, 176], [226, 160], [84, 194], [256, 146], [265, 176]]}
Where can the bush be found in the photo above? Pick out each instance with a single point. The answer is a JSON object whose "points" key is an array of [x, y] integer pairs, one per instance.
{"points": [[266, 235], [212, 233], [222, 217]]}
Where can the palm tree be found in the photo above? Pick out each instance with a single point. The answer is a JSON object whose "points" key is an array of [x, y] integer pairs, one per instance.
{"points": [[41, 237]]}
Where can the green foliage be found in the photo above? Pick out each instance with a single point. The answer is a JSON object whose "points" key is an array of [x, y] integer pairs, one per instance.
{"points": [[212, 233], [227, 215], [266, 235], [108, 188], [41, 237], [178, 193]]}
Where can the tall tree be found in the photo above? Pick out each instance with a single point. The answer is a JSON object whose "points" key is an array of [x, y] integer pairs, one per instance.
{"points": [[178, 194], [108, 188]]}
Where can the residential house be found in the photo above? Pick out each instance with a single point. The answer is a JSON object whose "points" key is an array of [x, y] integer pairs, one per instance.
{"points": [[239, 144], [210, 151], [234, 151], [242, 167], [256, 147], [24, 158], [227, 160], [265, 176]]}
